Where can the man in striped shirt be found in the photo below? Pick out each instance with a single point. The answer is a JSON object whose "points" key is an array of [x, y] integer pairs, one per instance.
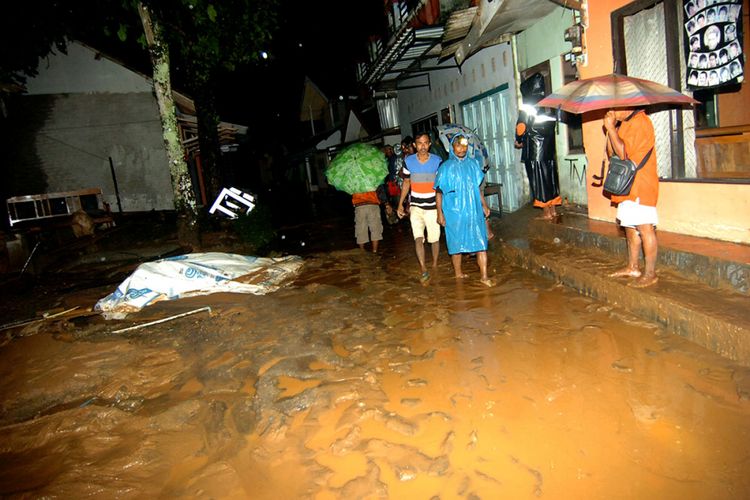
{"points": [[419, 177]]}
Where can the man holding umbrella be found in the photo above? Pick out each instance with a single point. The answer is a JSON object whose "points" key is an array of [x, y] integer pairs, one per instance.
{"points": [[359, 169], [631, 136]]}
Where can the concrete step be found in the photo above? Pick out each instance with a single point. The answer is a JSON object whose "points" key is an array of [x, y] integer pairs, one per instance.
{"points": [[717, 318], [715, 263]]}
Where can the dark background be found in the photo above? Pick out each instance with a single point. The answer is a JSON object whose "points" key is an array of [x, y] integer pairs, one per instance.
{"points": [[333, 36]]}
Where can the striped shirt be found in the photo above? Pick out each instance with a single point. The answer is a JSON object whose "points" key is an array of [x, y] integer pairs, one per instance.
{"points": [[422, 177]]}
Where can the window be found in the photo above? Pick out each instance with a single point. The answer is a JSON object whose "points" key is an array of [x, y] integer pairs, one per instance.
{"points": [[424, 125], [446, 115], [573, 121], [712, 142], [705, 112]]}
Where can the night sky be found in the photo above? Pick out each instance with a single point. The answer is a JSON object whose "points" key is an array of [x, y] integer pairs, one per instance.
{"points": [[323, 40]]}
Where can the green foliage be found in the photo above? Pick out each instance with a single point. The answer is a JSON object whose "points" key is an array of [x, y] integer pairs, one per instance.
{"points": [[256, 228], [122, 33], [206, 36], [211, 11]]}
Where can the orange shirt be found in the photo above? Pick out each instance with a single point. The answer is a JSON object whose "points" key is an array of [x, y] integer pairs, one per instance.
{"points": [[638, 136], [368, 198]]}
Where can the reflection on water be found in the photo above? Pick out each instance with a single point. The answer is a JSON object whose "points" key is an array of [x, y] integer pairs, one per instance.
{"points": [[358, 381]]}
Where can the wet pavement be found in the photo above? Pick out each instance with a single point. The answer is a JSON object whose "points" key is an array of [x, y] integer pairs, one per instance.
{"points": [[358, 381], [702, 293]]}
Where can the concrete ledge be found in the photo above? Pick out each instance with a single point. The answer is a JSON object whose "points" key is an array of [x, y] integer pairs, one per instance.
{"points": [[715, 271], [717, 321]]}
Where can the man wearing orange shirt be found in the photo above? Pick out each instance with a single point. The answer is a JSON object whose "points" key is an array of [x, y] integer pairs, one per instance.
{"points": [[368, 227], [631, 136]]}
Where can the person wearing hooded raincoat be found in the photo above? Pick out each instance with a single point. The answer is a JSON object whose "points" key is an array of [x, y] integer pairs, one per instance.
{"points": [[462, 208], [535, 136]]}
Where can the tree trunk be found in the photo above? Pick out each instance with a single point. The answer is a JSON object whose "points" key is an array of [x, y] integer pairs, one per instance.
{"points": [[208, 138], [182, 186]]}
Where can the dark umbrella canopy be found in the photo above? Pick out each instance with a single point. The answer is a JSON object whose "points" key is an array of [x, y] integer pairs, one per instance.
{"points": [[612, 91]]}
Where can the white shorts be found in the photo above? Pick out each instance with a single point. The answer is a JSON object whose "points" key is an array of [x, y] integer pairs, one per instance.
{"points": [[422, 219], [632, 214]]}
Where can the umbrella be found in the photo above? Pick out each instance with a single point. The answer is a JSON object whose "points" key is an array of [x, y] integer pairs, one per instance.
{"points": [[358, 168], [611, 91], [447, 131]]}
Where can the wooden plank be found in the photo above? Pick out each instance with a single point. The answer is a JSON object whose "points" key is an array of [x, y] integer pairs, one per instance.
{"points": [[712, 132]]}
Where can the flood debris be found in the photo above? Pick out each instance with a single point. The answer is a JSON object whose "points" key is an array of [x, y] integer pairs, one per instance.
{"points": [[233, 202], [163, 320], [197, 274], [45, 316]]}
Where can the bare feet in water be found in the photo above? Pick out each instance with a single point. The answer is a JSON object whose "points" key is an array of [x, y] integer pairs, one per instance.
{"points": [[625, 273], [644, 281], [549, 214], [488, 282], [462, 276]]}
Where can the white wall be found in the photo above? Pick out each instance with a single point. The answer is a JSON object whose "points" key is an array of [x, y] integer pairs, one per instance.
{"points": [[545, 39], [82, 131], [79, 71], [487, 69], [90, 110]]}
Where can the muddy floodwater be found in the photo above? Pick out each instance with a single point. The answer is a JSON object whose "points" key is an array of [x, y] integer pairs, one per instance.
{"points": [[357, 381]]}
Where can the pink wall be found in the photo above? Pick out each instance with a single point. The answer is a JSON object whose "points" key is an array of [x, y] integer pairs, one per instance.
{"points": [[720, 211]]}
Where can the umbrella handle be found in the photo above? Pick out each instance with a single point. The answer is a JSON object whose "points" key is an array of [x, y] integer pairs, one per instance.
{"points": [[600, 177]]}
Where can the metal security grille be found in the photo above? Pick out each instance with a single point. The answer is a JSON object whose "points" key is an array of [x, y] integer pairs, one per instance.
{"points": [[646, 57], [490, 117]]}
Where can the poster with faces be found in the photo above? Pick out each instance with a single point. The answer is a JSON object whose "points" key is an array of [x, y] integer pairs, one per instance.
{"points": [[713, 37]]}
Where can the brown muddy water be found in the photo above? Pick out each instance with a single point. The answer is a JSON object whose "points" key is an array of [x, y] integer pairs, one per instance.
{"points": [[356, 382]]}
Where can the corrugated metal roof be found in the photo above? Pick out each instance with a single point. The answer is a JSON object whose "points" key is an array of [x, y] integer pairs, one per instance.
{"points": [[409, 47], [458, 24], [465, 32], [496, 21]]}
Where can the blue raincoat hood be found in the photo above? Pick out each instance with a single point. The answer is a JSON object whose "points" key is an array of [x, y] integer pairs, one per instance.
{"points": [[452, 154]]}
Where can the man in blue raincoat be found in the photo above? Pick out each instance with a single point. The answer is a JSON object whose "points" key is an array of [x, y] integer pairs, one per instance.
{"points": [[461, 208]]}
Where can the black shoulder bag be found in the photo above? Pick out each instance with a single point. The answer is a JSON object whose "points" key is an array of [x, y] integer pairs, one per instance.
{"points": [[621, 174]]}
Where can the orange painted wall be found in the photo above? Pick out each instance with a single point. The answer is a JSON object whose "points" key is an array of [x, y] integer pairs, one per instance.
{"points": [[599, 62], [719, 211], [680, 205]]}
